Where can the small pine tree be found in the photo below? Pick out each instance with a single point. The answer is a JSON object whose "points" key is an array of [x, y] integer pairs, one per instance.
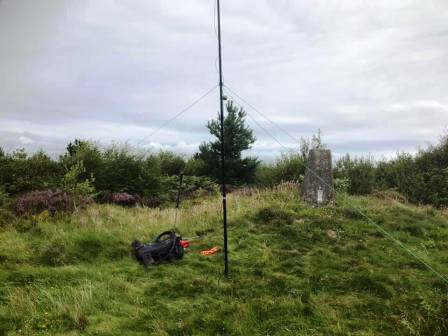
{"points": [[237, 138]]}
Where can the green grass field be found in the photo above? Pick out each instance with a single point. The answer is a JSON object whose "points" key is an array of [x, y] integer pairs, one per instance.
{"points": [[75, 274]]}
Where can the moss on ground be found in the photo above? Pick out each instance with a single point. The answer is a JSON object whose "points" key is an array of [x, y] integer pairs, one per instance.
{"points": [[295, 270]]}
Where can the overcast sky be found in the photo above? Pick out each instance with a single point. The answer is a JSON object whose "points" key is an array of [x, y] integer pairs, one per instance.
{"points": [[372, 75]]}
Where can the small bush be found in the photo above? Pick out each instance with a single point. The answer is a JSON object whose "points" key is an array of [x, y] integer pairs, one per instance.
{"points": [[358, 172], [54, 254], [391, 195], [289, 167], [267, 215], [37, 201], [171, 163], [20, 173], [121, 198]]}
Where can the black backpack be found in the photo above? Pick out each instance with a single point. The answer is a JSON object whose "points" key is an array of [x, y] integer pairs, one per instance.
{"points": [[166, 249]]}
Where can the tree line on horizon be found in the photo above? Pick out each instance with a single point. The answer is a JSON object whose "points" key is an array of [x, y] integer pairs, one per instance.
{"points": [[86, 168]]}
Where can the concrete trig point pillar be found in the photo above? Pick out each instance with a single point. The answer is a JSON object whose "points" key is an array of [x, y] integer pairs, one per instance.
{"points": [[317, 187]]}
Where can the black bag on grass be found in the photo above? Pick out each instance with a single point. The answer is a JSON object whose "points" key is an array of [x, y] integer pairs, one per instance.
{"points": [[165, 247]]}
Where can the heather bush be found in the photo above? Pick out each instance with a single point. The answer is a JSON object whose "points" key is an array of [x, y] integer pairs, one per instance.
{"points": [[120, 198], [37, 201]]}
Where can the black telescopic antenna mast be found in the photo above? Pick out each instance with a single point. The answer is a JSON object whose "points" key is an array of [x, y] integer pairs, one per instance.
{"points": [[223, 171]]}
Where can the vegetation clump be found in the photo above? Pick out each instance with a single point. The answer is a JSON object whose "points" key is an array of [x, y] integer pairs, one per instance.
{"points": [[277, 215], [120, 198], [37, 201]]}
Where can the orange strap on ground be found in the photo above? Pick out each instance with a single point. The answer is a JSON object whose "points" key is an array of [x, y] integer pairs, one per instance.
{"points": [[211, 251]]}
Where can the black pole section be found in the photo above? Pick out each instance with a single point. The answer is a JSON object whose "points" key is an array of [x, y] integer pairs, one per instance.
{"points": [[179, 189], [223, 171]]}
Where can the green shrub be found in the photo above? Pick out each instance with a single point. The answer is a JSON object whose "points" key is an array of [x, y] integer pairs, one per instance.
{"points": [[171, 163], [125, 171], [86, 152], [195, 167], [289, 167], [400, 174], [359, 172], [20, 172], [422, 178]]}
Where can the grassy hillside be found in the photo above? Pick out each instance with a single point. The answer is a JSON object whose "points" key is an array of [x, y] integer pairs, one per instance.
{"points": [[295, 270]]}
